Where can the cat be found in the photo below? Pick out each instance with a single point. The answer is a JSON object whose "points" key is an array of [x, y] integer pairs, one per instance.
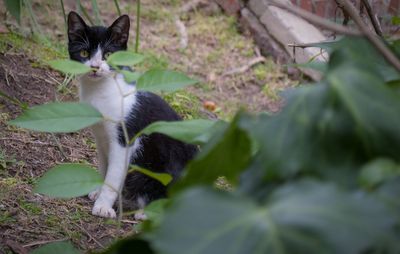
{"points": [[103, 88]]}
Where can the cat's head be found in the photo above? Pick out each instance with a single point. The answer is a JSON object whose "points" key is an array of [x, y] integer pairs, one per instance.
{"points": [[91, 45]]}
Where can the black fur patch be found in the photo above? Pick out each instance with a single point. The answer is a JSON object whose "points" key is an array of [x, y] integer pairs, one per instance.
{"points": [[158, 153]]}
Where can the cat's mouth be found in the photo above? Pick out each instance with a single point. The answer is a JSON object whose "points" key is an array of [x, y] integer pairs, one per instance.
{"points": [[94, 74]]}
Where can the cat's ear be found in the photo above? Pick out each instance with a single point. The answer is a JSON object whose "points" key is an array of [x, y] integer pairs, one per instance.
{"points": [[120, 30], [76, 26]]}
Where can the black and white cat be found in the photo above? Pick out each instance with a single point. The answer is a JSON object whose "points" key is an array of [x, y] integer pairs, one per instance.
{"points": [[104, 89]]}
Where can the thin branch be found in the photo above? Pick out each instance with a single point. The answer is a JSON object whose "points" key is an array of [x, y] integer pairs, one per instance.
{"points": [[314, 19], [245, 67], [44, 242], [376, 41], [373, 18]]}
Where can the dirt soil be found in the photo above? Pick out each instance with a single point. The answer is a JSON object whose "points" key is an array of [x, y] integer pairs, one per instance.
{"points": [[29, 220]]}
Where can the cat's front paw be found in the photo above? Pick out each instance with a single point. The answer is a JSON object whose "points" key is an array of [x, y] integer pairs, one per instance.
{"points": [[103, 210], [94, 194]]}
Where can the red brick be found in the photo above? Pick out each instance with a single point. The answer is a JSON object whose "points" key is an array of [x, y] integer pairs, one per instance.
{"points": [[320, 8], [306, 5], [394, 7]]}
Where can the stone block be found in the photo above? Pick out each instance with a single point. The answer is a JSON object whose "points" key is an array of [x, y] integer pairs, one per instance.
{"points": [[287, 28], [257, 6], [267, 45]]}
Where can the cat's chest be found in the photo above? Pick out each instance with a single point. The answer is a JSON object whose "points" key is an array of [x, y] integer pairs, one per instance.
{"points": [[108, 97]]}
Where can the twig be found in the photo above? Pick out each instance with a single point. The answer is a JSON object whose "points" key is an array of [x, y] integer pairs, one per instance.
{"points": [[60, 148], [376, 41], [304, 45], [90, 236], [245, 67], [183, 42], [373, 18], [130, 221], [316, 20], [44, 242]]}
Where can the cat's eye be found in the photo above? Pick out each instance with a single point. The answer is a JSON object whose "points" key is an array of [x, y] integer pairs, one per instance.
{"points": [[106, 55], [84, 53]]}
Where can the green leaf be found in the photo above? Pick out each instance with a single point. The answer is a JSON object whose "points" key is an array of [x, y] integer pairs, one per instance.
{"points": [[57, 247], [68, 181], [162, 80], [130, 76], [191, 131], [69, 66], [298, 218], [155, 211], [58, 117], [124, 58], [315, 65], [378, 171], [14, 7], [227, 154], [396, 20], [163, 178]]}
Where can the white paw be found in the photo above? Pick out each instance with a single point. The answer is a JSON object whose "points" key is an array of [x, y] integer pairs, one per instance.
{"points": [[94, 194], [140, 215], [103, 210]]}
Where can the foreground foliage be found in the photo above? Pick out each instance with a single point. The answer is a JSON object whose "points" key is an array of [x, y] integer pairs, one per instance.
{"points": [[322, 176]]}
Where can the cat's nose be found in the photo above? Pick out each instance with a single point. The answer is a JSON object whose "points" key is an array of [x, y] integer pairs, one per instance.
{"points": [[94, 67]]}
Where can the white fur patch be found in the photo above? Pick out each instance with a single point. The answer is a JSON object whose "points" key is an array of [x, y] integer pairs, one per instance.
{"points": [[107, 94]]}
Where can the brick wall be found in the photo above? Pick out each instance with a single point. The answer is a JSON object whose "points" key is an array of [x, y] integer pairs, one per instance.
{"points": [[327, 8]]}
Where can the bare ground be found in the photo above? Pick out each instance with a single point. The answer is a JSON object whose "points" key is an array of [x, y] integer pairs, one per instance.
{"points": [[28, 220]]}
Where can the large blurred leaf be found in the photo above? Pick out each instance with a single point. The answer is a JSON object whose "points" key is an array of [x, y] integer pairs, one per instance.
{"points": [[129, 245], [14, 7], [298, 218], [124, 58], [57, 247], [130, 76], [227, 154], [353, 50], [378, 171], [69, 66], [196, 131], [69, 180], [329, 129], [162, 80], [58, 117]]}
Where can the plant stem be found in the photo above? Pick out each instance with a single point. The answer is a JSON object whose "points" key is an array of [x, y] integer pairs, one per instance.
{"points": [[84, 12], [137, 26], [65, 17], [97, 13], [32, 17], [117, 6]]}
